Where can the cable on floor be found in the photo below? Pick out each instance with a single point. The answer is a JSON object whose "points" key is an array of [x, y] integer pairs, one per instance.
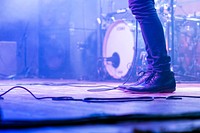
{"points": [[101, 100], [87, 99]]}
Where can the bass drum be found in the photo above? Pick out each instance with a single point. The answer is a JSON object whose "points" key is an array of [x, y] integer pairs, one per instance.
{"points": [[119, 48]]}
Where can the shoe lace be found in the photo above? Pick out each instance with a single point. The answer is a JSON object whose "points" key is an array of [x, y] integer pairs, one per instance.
{"points": [[151, 78], [141, 74]]}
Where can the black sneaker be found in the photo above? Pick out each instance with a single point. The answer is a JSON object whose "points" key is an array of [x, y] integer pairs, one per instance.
{"points": [[142, 77], [154, 83]]}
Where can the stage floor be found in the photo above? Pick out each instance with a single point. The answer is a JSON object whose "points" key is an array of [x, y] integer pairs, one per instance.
{"points": [[73, 110]]}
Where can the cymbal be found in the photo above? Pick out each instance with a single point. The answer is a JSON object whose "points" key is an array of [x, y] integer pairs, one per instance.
{"points": [[187, 18]]}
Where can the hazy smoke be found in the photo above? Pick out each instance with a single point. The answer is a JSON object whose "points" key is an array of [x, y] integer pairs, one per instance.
{"points": [[15, 10]]}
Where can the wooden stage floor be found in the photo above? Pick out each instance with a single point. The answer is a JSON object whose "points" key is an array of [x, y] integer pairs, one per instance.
{"points": [[72, 110]]}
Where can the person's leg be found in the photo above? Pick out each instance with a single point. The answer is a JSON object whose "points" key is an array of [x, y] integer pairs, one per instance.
{"points": [[153, 34], [159, 78]]}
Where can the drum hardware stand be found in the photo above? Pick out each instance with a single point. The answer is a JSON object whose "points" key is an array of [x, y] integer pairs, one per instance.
{"points": [[172, 32], [101, 72], [133, 65], [170, 37], [99, 30]]}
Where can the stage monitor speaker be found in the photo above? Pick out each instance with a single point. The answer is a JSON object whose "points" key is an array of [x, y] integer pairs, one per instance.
{"points": [[83, 54], [8, 59], [54, 54]]}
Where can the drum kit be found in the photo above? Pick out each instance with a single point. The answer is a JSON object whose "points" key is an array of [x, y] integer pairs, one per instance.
{"points": [[188, 48], [123, 49]]}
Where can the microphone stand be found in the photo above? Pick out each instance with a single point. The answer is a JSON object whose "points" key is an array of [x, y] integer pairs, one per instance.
{"points": [[100, 70], [25, 69], [172, 32], [99, 30]]}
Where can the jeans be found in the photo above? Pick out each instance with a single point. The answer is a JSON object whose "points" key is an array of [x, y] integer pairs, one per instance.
{"points": [[153, 34]]}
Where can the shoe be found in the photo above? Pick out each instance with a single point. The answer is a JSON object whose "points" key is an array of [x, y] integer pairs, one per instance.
{"points": [[154, 83], [142, 77]]}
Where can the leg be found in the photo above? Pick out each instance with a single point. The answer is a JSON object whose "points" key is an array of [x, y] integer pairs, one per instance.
{"points": [[153, 34], [159, 78]]}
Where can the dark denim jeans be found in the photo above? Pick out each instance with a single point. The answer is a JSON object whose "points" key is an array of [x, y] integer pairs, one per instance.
{"points": [[153, 34]]}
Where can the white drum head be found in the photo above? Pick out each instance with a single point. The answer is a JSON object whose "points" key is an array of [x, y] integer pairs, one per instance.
{"points": [[119, 40]]}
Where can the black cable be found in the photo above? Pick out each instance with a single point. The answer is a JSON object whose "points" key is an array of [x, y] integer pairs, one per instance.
{"points": [[181, 96], [102, 89], [67, 84], [122, 99], [77, 85], [87, 99], [103, 100], [21, 87]]}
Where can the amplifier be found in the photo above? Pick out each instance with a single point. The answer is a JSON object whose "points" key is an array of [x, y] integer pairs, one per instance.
{"points": [[8, 59]]}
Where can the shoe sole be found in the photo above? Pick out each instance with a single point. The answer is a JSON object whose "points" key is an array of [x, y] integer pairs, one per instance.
{"points": [[161, 90], [170, 87]]}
